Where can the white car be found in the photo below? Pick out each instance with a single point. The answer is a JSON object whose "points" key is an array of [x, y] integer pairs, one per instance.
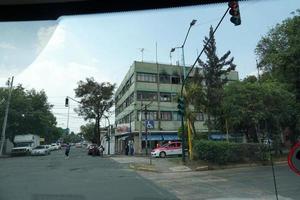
{"points": [[48, 146], [40, 150], [172, 148], [54, 146]]}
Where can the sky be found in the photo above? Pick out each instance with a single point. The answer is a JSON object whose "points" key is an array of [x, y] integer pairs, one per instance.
{"points": [[55, 55]]}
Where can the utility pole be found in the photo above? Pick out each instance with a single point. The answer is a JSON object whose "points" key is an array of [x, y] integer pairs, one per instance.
{"points": [[5, 117], [257, 66], [68, 105], [146, 130], [140, 129], [158, 91], [185, 79]]}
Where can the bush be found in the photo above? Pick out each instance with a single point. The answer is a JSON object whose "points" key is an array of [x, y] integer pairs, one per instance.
{"points": [[221, 152]]}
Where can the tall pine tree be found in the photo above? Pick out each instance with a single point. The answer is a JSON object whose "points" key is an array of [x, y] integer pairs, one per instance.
{"points": [[214, 71]]}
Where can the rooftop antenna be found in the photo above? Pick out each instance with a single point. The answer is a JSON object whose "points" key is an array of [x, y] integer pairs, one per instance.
{"points": [[142, 51]]}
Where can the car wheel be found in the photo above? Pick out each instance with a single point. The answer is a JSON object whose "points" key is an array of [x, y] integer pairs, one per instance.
{"points": [[162, 154]]}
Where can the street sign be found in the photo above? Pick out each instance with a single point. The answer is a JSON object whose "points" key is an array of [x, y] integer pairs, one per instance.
{"points": [[150, 124], [294, 158]]}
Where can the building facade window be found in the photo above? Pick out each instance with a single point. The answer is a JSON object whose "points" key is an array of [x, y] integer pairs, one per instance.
{"points": [[166, 116], [146, 96], [165, 97], [151, 115], [174, 97], [199, 117], [145, 77], [175, 80], [176, 116], [164, 78]]}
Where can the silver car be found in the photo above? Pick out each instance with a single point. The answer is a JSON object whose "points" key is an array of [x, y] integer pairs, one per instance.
{"points": [[40, 150]]}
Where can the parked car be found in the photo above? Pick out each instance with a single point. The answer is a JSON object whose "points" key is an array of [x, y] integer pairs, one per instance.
{"points": [[93, 150], [171, 148], [54, 146], [48, 146], [78, 145], [63, 145], [40, 150]]}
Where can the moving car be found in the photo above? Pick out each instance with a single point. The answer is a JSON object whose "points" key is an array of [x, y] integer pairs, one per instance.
{"points": [[40, 150], [171, 148]]}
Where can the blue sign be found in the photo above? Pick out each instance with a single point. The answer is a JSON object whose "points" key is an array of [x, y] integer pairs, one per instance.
{"points": [[149, 124]]}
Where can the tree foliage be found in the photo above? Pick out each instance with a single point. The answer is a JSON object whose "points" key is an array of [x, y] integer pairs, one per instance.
{"points": [[279, 53], [258, 109], [88, 131], [96, 100], [213, 73], [30, 112]]}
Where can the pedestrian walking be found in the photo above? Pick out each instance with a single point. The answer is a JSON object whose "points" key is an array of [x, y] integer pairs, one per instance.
{"points": [[101, 149], [67, 151]]}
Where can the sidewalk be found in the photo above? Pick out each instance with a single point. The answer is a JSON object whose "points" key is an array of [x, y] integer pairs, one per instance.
{"points": [[160, 165], [173, 164]]}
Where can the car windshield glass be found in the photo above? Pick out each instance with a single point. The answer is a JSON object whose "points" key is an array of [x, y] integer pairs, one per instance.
{"points": [[40, 147], [193, 102], [23, 144]]}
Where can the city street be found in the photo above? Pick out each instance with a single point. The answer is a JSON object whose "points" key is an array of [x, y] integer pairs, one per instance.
{"points": [[230, 184], [83, 177], [80, 177]]}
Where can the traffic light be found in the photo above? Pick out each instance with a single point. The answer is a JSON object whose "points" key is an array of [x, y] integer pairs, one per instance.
{"points": [[234, 12], [181, 106], [67, 102]]}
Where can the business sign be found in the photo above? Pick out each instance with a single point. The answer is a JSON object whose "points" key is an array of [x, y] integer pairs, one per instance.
{"points": [[123, 128], [294, 158], [149, 124]]}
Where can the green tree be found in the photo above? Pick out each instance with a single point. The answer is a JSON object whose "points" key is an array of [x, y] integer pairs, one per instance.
{"points": [[96, 100], [88, 131], [279, 56], [29, 112], [258, 108], [214, 72]]}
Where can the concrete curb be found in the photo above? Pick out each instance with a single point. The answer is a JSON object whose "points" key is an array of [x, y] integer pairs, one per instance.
{"points": [[143, 167], [207, 168]]}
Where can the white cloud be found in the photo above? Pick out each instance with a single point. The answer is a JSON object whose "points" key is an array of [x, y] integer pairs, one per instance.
{"points": [[59, 80], [58, 38], [43, 36], [5, 45]]}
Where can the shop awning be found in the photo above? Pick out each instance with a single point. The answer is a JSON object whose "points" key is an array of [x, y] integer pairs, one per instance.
{"points": [[124, 137], [161, 137], [152, 137], [167, 137]]}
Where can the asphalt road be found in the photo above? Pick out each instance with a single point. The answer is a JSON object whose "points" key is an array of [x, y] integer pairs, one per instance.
{"points": [[230, 184], [80, 177]]}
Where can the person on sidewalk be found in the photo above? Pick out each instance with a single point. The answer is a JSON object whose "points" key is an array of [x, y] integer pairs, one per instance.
{"points": [[131, 149], [126, 149], [67, 151], [101, 149]]}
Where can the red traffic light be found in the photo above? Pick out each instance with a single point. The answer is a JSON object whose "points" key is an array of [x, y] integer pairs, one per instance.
{"points": [[234, 12]]}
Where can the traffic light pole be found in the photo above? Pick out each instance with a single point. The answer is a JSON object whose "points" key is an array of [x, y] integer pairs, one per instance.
{"points": [[184, 81]]}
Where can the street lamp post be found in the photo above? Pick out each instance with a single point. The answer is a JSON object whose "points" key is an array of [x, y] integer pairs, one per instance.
{"points": [[193, 22]]}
